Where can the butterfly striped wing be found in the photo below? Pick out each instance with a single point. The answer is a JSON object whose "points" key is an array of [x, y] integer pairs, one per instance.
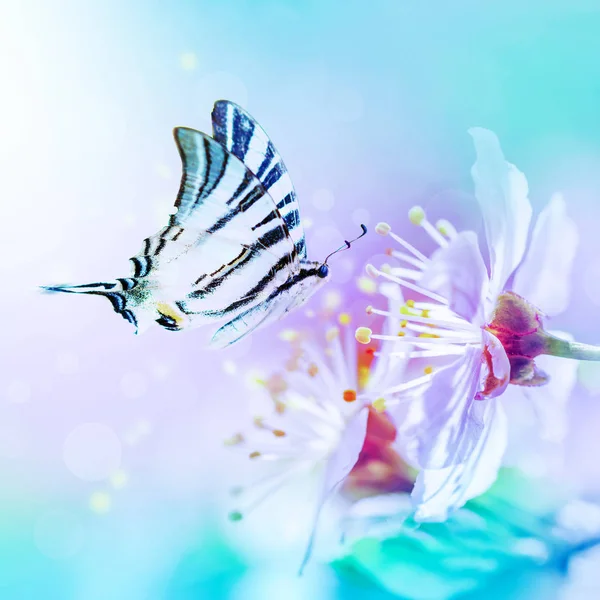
{"points": [[245, 138], [227, 247]]}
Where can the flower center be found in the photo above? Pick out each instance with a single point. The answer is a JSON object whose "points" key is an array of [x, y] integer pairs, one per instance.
{"points": [[518, 326]]}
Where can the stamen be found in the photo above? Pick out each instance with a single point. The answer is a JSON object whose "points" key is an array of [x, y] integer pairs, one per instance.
{"points": [[446, 228], [371, 270], [409, 247], [426, 340], [428, 370], [382, 228], [406, 258], [313, 370], [403, 387], [448, 351], [363, 335], [426, 320], [418, 217], [255, 454]]}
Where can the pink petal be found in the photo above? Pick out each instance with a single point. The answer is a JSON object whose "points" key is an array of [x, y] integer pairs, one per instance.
{"points": [[438, 492], [544, 278], [338, 467], [457, 272], [495, 373], [434, 428], [501, 190]]}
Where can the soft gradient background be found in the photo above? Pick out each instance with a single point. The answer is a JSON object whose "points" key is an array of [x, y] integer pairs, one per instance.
{"points": [[113, 475]]}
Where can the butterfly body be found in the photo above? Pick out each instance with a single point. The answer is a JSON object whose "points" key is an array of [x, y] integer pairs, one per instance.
{"points": [[234, 253]]}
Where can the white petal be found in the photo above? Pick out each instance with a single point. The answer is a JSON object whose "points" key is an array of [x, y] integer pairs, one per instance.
{"points": [[538, 416], [457, 272], [501, 190], [339, 465], [438, 492], [434, 428], [544, 278]]}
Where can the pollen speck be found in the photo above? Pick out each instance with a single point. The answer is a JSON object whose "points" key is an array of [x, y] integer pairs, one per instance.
{"points": [[254, 454], [428, 370], [349, 395], [313, 370], [382, 228], [344, 319], [379, 405], [363, 335], [279, 433]]}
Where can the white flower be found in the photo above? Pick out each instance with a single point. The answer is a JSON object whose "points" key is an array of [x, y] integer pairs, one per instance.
{"points": [[319, 408], [480, 334]]}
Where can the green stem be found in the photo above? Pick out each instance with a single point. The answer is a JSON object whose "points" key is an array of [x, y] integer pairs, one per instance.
{"points": [[566, 349]]}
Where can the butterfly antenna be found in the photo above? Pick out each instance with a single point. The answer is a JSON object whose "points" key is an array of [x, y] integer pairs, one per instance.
{"points": [[347, 244]]}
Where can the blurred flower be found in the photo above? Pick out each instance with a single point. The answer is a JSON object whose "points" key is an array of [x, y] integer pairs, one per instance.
{"points": [[319, 412], [480, 334], [503, 544]]}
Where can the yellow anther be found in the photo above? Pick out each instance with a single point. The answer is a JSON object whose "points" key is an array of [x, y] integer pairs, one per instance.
{"points": [[254, 454], [403, 323], [410, 303], [371, 271], [401, 333], [382, 228], [425, 314], [279, 433], [344, 319], [428, 370], [428, 335], [416, 215], [363, 335], [379, 405], [235, 440], [349, 395], [445, 228]]}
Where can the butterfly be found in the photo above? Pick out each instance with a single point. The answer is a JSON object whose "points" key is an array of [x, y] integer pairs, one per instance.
{"points": [[233, 253]]}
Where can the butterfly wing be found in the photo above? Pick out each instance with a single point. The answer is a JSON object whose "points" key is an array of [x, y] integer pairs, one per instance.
{"points": [[245, 138], [227, 245]]}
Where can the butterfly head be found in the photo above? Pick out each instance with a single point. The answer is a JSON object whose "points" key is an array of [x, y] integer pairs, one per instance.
{"points": [[313, 274]]}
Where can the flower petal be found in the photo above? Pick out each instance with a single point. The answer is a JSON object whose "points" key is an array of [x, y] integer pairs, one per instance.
{"points": [[434, 428], [501, 190], [338, 467], [538, 415], [544, 278], [495, 374], [457, 272], [438, 492]]}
